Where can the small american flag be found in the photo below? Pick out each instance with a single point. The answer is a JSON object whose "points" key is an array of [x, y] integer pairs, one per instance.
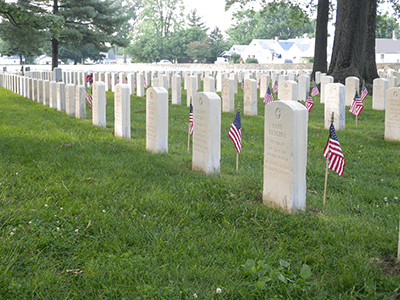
{"points": [[356, 106], [309, 103], [258, 85], [268, 96], [314, 91], [333, 152], [242, 85], [364, 92], [88, 98], [275, 87], [235, 133], [191, 119], [144, 83], [134, 84]]}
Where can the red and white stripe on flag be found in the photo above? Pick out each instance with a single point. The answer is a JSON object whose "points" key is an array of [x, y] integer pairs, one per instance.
{"points": [[309, 103], [333, 153], [235, 132], [356, 107]]}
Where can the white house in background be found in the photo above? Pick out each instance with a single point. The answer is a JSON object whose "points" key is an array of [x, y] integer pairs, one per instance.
{"points": [[303, 49], [275, 51], [262, 50], [296, 50], [387, 50], [11, 60], [235, 49], [45, 60]]}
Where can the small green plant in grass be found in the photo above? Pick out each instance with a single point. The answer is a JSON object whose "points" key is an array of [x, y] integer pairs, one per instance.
{"points": [[279, 280]]}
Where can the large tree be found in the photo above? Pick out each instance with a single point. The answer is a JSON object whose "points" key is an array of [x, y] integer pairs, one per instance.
{"points": [[321, 38], [354, 44], [22, 41]]}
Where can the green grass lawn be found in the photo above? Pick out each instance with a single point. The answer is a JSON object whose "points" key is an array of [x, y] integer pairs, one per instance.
{"points": [[86, 215]]}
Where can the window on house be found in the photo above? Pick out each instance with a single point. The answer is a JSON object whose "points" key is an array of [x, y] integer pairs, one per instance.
{"points": [[382, 56]]}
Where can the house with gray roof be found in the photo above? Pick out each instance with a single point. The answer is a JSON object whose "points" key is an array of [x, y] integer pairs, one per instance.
{"points": [[387, 50]]}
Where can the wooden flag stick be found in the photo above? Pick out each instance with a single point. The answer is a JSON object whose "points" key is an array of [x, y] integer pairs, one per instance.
{"points": [[398, 246], [356, 116], [327, 167], [237, 153], [188, 148], [326, 181]]}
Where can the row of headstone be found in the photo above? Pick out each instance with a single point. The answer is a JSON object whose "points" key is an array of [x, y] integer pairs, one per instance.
{"points": [[285, 149], [285, 133]]}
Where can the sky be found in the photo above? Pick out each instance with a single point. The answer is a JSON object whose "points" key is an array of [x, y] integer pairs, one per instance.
{"points": [[212, 11]]}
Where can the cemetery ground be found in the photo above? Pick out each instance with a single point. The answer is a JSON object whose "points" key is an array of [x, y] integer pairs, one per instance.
{"points": [[86, 215]]}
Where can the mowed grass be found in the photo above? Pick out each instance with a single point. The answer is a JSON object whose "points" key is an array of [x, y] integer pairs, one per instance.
{"points": [[86, 215]]}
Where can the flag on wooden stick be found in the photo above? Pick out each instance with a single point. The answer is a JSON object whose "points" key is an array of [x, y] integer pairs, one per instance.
{"points": [[309, 102], [88, 98], [333, 152], [144, 83], [364, 92], [235, 133], [356, 106], [268, 96], [275, 87], [191, 119], [315, 90]]}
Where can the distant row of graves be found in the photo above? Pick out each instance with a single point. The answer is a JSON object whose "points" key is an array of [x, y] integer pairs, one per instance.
{"points": [[285, 122]]}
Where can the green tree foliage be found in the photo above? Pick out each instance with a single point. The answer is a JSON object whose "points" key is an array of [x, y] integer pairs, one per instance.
{"points": [[160, 34], [180, 41], [72, 23], [217, 44], [196, 20], [82, 54], [250, 60], [273, 20], [198, 50], [385, 26], [234, 58], [22, 41], [157, 21]]}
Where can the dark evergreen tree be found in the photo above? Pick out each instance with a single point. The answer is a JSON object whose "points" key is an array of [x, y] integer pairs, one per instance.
{"points": [[22, 41], [73, 23], [196, 20]]}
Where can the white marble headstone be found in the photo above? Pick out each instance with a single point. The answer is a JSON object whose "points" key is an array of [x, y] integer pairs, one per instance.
{"points": [[122, 111], [335, 102], [392, 114], [157, 120], [380, 86], [285, 155], [206, 133]]}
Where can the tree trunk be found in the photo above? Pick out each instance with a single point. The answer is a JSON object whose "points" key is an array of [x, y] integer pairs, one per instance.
{"points": [[321, 38], [54, 53], [54, 42], [354, 45]]}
